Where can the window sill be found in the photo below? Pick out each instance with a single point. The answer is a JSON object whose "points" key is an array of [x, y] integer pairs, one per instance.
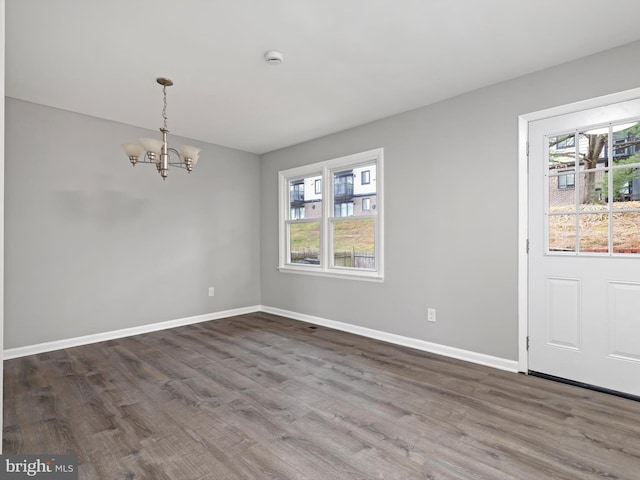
{"points": [[361, 275]]}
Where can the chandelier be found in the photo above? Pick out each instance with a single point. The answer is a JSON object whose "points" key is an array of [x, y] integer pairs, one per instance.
{"points": [[158, 152]]}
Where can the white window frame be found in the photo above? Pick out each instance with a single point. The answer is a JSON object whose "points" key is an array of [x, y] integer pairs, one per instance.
{"points": [[327, 169]]}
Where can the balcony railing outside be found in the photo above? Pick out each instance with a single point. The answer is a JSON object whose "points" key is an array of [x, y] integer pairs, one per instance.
{"points": [[296, 196], [342, 190]]}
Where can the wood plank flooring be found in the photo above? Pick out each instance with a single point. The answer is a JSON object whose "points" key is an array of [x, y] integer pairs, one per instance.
{"points": [[264, 397]]}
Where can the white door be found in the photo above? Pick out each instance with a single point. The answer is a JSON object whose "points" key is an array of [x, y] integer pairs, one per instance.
{"points": [[584, 247]]}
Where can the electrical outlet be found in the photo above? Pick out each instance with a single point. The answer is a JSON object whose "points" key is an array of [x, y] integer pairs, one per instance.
{"points": [[431, 314], [211, 291]]}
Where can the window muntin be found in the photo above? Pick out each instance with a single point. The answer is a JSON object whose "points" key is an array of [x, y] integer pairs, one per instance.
{"points": [[591, 202], [303, 220], [340, 234]]}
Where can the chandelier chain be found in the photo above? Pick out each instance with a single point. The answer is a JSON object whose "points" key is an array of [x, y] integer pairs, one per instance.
{"points": [[164, 108]]}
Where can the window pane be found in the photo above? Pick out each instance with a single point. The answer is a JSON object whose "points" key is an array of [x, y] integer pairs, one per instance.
{"points": [[626, 238], [594, 159], [590, 188], [354, 243], [562, 233], [304, 243], [594, 232], [561, 169], [626, 183], [626, 141]]}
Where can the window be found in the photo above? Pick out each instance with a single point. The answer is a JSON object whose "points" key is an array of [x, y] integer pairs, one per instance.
{"points": [[594, 210], [365, 177], [344, 209], [567, 181], [297, 213], [336, 239]]}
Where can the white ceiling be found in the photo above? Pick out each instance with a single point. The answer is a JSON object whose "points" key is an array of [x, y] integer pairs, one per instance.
{"points": [[347, 62]]}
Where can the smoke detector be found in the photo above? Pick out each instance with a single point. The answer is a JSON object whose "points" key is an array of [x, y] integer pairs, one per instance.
{"points": [[273, 57]]}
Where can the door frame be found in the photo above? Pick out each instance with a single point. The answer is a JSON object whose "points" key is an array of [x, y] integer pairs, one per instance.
{"points": [[523, 202]]}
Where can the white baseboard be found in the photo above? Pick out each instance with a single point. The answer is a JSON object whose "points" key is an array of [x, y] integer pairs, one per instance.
{"points": [[125, 332], [466, 355], [458, 353]]}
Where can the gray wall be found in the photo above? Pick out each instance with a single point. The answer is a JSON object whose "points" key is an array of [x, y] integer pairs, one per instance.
{"points": [[94, 245], [451, 211]]}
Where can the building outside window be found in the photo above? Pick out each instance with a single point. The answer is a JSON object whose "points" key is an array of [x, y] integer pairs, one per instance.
{"points": [[343, 184], [297, 192]]}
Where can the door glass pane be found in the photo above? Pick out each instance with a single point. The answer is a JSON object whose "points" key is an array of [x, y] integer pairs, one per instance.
{"points": [[594, 232], [625, 184], [304, 243], [625, 139], [562, 233], [626, 236], [593, 152], [592, 194], [354, 243], [561, 172]]}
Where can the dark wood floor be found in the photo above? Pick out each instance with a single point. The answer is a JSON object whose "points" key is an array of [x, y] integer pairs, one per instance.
{"points": [[263, 397]]}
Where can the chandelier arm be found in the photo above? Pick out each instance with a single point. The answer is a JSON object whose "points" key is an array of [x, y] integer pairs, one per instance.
{"points": [[175, 163], [146, 159]]}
